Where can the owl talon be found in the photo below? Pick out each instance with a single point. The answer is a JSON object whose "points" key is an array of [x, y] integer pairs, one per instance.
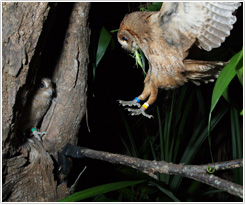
{"points": [[129, 103], [138, 112], [37, 134]]}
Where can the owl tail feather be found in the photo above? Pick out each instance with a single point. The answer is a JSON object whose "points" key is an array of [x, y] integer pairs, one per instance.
{"points": [[202, 71]]}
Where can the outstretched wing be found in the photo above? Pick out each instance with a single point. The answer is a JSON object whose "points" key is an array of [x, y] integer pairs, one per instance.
{"points": [[209, 22]]}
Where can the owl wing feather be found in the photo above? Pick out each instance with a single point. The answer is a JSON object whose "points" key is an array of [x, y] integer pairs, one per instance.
{"points": [[208, 22]]}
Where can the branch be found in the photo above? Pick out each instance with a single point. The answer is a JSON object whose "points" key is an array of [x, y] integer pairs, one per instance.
{"points": [[196, 172]]}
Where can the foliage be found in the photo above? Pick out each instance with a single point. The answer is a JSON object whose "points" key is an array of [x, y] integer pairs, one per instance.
{"points": [[168, 142], [184, 118], [227, 74], [221, 86], [104, 41], [152, 7], [102, 189]]}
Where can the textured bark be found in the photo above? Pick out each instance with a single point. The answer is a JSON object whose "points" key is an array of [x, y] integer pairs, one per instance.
{"points": [[70, 76], [22, 26], [34, 177]]}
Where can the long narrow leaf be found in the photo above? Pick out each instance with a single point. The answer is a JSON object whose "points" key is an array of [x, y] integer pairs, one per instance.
{"points": [[161, 177], [179, 108], [168, 130], [130, 135], [239, 70], [192, 148], [225, 77], [160, 134], [94, 191], [182, 126], [222, 83], [152, 148], [187, 156], [236, 142], [104, 40]]}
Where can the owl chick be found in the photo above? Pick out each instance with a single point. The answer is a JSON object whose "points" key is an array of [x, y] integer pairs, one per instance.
{"points": [[36, 108], [166, 36]]}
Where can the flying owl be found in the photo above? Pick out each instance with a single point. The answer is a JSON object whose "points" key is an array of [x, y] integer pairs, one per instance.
{"points": [[36, 107], [166, 36]]}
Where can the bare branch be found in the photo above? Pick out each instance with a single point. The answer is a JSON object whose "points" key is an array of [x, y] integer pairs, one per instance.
{"points": [[196, 172]]}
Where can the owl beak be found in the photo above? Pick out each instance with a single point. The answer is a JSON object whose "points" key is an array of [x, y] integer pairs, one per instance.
{"points": [[49, 92], [124, 44]]}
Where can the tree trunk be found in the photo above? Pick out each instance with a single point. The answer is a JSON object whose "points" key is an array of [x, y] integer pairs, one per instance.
{"points": [[28, 34]]}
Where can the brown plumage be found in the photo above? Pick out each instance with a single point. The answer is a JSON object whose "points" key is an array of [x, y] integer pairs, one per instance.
{"points": [[166, 36], [36, 107]]}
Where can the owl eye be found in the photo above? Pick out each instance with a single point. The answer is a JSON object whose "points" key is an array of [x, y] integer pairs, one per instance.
{"points": [[125, 39], [41, 85]]}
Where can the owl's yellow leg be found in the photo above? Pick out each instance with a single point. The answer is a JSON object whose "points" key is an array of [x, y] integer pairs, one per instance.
{"points": [[146, 92], [150, 89]]}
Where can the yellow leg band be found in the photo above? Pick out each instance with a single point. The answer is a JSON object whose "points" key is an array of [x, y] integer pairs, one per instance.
{"points": [[145, 105]]}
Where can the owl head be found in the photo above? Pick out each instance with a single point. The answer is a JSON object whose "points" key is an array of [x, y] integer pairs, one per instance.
{"points": [[45, 88], [133, 29]]}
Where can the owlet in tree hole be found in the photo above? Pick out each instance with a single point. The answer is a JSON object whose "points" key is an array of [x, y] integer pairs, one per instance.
{"points": [[36, 107], [166, 36]]}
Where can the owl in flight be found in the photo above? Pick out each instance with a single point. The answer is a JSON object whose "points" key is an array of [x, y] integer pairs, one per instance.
{"points": [[166, 36]]}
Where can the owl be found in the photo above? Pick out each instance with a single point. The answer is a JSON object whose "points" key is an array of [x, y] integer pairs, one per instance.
{"points": [[166, 36], [36, 107]]}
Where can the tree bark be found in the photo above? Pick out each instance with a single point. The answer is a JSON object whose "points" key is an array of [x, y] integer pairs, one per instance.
{"points": [[26, 28]]}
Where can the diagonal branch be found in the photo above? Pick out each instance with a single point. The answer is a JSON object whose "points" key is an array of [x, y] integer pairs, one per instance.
{"points": [[196, 172]]}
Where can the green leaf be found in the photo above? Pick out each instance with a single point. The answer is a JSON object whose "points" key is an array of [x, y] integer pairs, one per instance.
{"points": [[114, 31], [195, 143], [222, 83], [156, 6], [239, 70], [138, 61], [226, 95], [104, 40], [131, 138], [78, 196], [237, 150], [225, 77]]}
